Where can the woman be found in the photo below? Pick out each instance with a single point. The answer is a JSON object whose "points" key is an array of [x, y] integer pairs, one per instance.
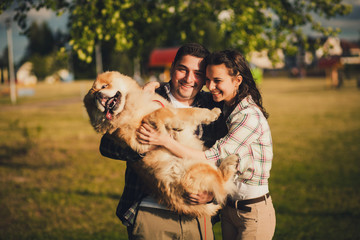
{"points": [[249, 214]]}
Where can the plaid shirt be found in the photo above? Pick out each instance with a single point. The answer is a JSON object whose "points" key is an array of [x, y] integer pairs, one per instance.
{"points": [[249, 137], [133, 190]]}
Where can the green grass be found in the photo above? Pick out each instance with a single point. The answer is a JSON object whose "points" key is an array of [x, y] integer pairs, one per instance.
{"points": [[56, 185]]}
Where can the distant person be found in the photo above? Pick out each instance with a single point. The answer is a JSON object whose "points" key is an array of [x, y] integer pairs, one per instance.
{"points": [[137, 209], [249, 214]]}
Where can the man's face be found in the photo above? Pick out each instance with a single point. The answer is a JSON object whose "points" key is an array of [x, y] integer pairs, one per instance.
{"points": [[187, 79]]}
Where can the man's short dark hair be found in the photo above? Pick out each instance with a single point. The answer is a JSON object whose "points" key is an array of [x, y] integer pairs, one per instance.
{"points": [[192, 49]]}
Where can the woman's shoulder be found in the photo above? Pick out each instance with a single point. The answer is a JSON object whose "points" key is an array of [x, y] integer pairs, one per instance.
{"points": [[246, 111], [246, 106]]}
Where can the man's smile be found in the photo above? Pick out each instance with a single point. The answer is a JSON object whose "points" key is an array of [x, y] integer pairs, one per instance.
{"points": [[185, 85]]}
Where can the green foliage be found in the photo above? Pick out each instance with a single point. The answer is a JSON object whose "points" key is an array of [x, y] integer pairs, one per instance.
{"points": [[96, 21], [43, 50], [5, 4], [41, 39], [139, 26], [47, 65]]}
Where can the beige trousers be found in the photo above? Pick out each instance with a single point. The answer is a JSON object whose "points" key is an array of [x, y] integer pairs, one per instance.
{"points": [[258, 224], [159, 224]]}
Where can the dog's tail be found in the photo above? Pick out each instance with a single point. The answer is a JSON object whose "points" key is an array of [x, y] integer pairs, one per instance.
{"points": [[228, 169], [204, 177], [228, 166]]}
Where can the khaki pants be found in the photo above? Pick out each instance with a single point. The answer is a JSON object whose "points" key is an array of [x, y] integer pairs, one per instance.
{"points": [[258, 224], [159, 224]]}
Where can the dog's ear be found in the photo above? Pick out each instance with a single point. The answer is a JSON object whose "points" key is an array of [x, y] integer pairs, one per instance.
{"points": [[97, 118], [89, 97], [89, 102]]}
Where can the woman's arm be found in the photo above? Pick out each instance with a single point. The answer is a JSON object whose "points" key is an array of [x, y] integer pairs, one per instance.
{"points": [[147, 135]]}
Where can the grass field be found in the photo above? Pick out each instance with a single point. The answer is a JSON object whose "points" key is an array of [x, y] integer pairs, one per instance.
{"points": [[55, 184]]}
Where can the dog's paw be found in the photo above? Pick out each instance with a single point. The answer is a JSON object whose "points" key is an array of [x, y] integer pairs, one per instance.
{"points": [[244, 166], [231, 161], [211, 115], [228, 166], [216, 111]]}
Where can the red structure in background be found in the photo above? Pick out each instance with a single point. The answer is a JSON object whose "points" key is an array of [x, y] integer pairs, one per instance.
{"points": [[331, 65], [160, 61], [328, 62], [162, 57]]}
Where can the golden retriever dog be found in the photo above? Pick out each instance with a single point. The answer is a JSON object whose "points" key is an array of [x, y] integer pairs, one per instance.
{"points": [[116, 104]]}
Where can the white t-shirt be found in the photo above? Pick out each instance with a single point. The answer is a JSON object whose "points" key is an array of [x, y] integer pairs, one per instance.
{"points": [[176, 103]]}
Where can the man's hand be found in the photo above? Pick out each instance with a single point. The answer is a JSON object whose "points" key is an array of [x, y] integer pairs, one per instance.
{"points": [[199, 198]]}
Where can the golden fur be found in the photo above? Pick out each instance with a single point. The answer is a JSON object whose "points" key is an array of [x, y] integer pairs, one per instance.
{"points": [[168, 176]]}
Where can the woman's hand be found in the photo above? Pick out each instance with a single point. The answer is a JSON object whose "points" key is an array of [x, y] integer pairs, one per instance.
{"points": [[148, 135], [199, 198]]}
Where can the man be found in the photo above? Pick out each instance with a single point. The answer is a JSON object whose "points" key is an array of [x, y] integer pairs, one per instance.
{"points": [[137, 209]]}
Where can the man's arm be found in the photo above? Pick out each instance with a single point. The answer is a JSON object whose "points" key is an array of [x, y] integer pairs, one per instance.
{"points": [[111, 149]]}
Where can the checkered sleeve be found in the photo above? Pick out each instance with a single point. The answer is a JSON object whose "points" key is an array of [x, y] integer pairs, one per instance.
{"points": [[249, 137], [244, 129]]}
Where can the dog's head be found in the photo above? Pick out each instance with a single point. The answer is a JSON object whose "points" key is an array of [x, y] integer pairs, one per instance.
{"points": [[107, 97]]}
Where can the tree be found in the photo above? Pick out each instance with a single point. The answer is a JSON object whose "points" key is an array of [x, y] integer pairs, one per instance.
{"points": [[140, 25], [41, 39], [42, 50]]}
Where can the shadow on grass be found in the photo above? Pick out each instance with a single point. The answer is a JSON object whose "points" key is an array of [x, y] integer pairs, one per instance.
{"points": [[18, 165], [113, 232], [10, 154], [87, 193]]}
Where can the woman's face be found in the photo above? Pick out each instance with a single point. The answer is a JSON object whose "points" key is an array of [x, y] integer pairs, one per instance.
{"points": [[221, 84]]}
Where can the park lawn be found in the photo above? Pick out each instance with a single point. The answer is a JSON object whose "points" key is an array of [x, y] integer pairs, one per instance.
{"points": [[56, 185], [315, 177]]}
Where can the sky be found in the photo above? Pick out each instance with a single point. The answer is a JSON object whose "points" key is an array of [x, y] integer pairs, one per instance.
{"points": [[349, 25], [20, 41]]}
